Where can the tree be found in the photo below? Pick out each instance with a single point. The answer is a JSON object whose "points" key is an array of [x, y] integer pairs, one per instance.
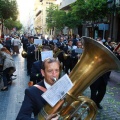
{"points": [[71, 20], [59, 19], [55, 18], [89, 10], [8, 9], [50, 15], [18, 25], [10, 24]]}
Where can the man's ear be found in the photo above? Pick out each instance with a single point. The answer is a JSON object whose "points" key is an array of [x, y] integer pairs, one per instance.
{"points": [[42, 72]]}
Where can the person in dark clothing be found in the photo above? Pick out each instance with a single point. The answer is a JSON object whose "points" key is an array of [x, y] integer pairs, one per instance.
{"points": [[98, 89], [25, 42], [33, 101], [67, 62], [35, 74], [8, 44]]}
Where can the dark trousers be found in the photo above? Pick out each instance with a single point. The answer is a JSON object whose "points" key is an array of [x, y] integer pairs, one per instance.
{"points": [[98, 89], [6, 76]]}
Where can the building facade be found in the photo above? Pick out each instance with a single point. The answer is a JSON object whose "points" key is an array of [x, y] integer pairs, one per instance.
{"points": [[40, 15]]}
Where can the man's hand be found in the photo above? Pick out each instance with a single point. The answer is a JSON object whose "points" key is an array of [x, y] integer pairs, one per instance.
{"points": [[52, 117]]}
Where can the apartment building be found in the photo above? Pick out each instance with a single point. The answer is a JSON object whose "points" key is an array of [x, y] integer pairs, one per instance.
{"points": [[40, 15], [65, 5]]}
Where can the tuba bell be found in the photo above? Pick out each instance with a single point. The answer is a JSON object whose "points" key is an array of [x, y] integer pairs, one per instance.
{"points": [[94, 62], [24, 54]]}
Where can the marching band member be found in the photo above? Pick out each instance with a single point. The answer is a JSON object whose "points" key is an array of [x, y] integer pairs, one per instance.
{"points": [[60, 44], [35, 74], [67, 62], [76, 54], [33, 101], [30, 54]]}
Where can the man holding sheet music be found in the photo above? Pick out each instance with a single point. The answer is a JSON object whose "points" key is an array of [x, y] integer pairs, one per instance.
{"points": [[33, 101]]}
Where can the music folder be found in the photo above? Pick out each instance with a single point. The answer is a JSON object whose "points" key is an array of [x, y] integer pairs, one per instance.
{"points": [[58, 90]]}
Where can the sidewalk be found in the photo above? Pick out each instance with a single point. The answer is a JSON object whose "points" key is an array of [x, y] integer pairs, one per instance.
{"points": [[11, 100], [111, 100]]}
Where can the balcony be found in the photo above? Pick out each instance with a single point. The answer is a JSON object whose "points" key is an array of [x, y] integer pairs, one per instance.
{"points": [[64, 5], [38, 13]]}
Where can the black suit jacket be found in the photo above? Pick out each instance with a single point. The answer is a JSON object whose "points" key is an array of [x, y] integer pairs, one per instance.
{"points": [[36, 67], [33, 103]]}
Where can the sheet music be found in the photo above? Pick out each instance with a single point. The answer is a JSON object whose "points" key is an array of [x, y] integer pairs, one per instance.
{"points": [[46, 54], [79, 50], [58, 90], [38, 41]]}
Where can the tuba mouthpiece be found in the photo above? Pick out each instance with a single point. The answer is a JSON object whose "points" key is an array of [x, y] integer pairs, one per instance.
{"points": [[54, 79]]}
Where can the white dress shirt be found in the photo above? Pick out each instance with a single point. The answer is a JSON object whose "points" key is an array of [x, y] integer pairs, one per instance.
{"points": [[46, 84]]}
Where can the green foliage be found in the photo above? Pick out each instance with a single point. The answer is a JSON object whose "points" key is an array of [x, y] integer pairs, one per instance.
{"points": [[90, 10], [71, 20], [18, 25], [59, 19], [55, 17], [49, 19], [8, 9], [10, 24]]}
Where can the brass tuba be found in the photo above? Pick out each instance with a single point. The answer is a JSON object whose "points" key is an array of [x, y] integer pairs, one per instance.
{"points": [[24, 54], [94, 62]]}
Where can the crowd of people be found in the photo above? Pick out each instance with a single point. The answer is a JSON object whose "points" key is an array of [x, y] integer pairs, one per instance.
{"points": [[8, 47], [67, 52]]}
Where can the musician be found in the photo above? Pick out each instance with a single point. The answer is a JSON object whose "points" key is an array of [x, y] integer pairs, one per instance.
{"points": [[67, 62], [98, 89], [33, 101], [76, 54], [117, 51], [54, 40], [60, 44], [35, 74], [30, 54], [111, 48], [25, 42], [43, 40]]}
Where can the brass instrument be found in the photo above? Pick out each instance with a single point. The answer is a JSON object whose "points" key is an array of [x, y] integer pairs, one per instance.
{"points": [[94, 62], [56, 51], [37, 53], [24, 54], [65, 56]]}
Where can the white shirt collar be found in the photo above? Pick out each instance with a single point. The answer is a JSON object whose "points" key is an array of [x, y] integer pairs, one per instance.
{"points": [[46, 84]]}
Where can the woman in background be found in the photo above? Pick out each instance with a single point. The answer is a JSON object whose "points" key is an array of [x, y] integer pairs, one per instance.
{"points": [[8, 67]]}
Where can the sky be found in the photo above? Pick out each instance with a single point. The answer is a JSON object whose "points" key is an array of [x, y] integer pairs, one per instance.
{"points": [[25, 7]]}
